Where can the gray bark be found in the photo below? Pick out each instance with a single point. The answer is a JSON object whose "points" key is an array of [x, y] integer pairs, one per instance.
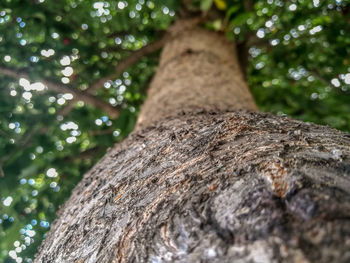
{"points": [[195, 183], [212, 187]]}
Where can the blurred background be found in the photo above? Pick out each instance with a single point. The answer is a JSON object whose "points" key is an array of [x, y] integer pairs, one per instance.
{"points": [[65, 98]]}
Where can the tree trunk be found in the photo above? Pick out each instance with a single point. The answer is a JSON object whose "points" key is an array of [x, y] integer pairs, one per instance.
{"points": [[197, 70], [197, 182]]}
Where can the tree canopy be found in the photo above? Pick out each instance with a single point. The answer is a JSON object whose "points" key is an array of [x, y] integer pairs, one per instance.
{"points": [[74, 74]]}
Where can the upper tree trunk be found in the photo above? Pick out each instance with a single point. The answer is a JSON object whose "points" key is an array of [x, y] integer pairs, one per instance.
{"points": [[203, 185], [198, 69]]}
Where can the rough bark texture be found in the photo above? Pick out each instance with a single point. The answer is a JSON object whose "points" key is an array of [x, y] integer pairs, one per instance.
{"points": [[212, 187], [197, 69], [206, 185]]}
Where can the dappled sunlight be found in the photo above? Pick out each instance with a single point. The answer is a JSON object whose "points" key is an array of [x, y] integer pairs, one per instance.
{"points": [[52, 53]]}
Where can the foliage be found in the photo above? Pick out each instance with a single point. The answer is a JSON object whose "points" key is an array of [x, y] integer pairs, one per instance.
{"points": [[298, 66]]}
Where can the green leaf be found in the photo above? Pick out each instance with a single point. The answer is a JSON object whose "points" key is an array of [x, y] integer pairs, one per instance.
{"points": [[40, 16], [240, 19], [232, 10], [206, 5]]}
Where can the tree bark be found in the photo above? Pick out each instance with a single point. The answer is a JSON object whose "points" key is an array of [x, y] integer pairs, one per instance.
{"points": [[197, 182], [198, 69]]}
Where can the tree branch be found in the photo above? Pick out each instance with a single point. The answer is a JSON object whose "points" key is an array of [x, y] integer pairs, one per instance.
{"points": [[129, 61], [101, 132], [248, 5], [120, 68], [87, 96], [318, 76], [78, 95]]}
